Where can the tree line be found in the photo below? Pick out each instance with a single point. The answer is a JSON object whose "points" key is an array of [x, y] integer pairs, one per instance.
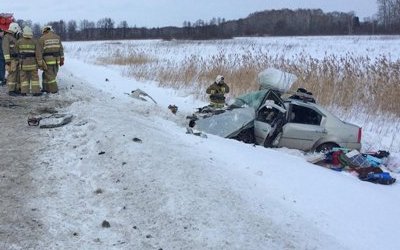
{"points": [[283, 22], [389, 15]]}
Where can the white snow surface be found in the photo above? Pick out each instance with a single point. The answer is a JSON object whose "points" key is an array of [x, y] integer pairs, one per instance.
{"points": [[175, 190]]}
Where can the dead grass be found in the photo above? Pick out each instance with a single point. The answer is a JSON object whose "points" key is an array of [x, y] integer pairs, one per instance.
{"points": [[132, 59], [347, 81]]}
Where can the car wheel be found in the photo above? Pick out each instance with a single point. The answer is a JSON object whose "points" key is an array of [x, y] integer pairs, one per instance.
{"points": [[326, 147]]}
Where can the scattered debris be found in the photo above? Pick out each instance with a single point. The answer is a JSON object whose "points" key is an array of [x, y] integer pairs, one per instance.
{"points": [[140, 94], [137, 140], [51, 121], [173, 108], [367, 166], [119, 243], [34, 121], [81, 123], [105, 224], [197, 133]]}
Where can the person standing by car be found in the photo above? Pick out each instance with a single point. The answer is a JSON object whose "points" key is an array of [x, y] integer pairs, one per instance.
{"points": [[217, 92], [50, 57]]}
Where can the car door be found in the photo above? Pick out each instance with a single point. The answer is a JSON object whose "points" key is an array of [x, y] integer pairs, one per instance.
{"points": [[303, 128], [269, 118]]}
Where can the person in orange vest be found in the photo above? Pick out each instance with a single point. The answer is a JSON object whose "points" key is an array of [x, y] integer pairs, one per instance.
{"points": [[50, 58]]}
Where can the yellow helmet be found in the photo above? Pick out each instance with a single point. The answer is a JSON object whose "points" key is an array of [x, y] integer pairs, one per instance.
{"points": [[47, 28], [27, 32]]}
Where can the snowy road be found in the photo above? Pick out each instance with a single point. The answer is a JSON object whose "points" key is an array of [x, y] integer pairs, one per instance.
{"points": [[170, 190]]}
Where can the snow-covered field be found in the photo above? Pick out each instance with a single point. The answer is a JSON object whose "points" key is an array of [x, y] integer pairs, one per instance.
{"points": [[380, 130], [172, 190]]}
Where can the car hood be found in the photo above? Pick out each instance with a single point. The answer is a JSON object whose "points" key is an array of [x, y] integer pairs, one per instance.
{"points": [[227, 124]]}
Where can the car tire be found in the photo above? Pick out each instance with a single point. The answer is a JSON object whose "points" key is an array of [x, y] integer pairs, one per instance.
{"points": [[324, 147]]}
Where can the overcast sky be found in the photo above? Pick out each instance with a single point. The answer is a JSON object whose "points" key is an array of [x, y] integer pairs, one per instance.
{"points": [[158, 13]]}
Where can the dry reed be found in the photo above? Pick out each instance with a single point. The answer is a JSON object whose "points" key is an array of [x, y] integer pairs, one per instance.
{"points": [[349, 82]]}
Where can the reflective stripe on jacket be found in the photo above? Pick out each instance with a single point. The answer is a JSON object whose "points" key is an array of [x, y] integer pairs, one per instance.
{"points": [[217, 92], [50, 47], [8, 46], [26, 49]]}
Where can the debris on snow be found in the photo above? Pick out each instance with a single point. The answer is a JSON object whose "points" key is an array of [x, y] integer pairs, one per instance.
{"points": [[99, 191], [137, 140], [193, 132], [105, 224], [51, 121], [173, 108], [140, 95]]}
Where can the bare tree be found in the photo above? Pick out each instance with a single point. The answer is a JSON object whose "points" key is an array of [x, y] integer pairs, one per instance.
{"points": [[71, 29], [389, 14], [37, 29], [87, 29], [123, 26], [106, 25]]}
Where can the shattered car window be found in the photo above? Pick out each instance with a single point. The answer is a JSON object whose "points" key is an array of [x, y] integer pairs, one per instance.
{"points": [[253, 99], [227, 124]]}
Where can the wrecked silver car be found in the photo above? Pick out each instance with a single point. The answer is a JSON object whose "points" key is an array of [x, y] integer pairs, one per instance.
{"points": [[265, 118]]}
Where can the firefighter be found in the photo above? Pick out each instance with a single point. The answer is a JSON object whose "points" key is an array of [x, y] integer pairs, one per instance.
{"points": [[217, 92], [50, 57], [11, 58], [2, 62], [27, 53]]}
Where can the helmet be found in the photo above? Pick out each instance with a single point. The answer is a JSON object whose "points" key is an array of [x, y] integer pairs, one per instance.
{"points": [[27, 32], [47, 28], [14, 28], [219, 79]]}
